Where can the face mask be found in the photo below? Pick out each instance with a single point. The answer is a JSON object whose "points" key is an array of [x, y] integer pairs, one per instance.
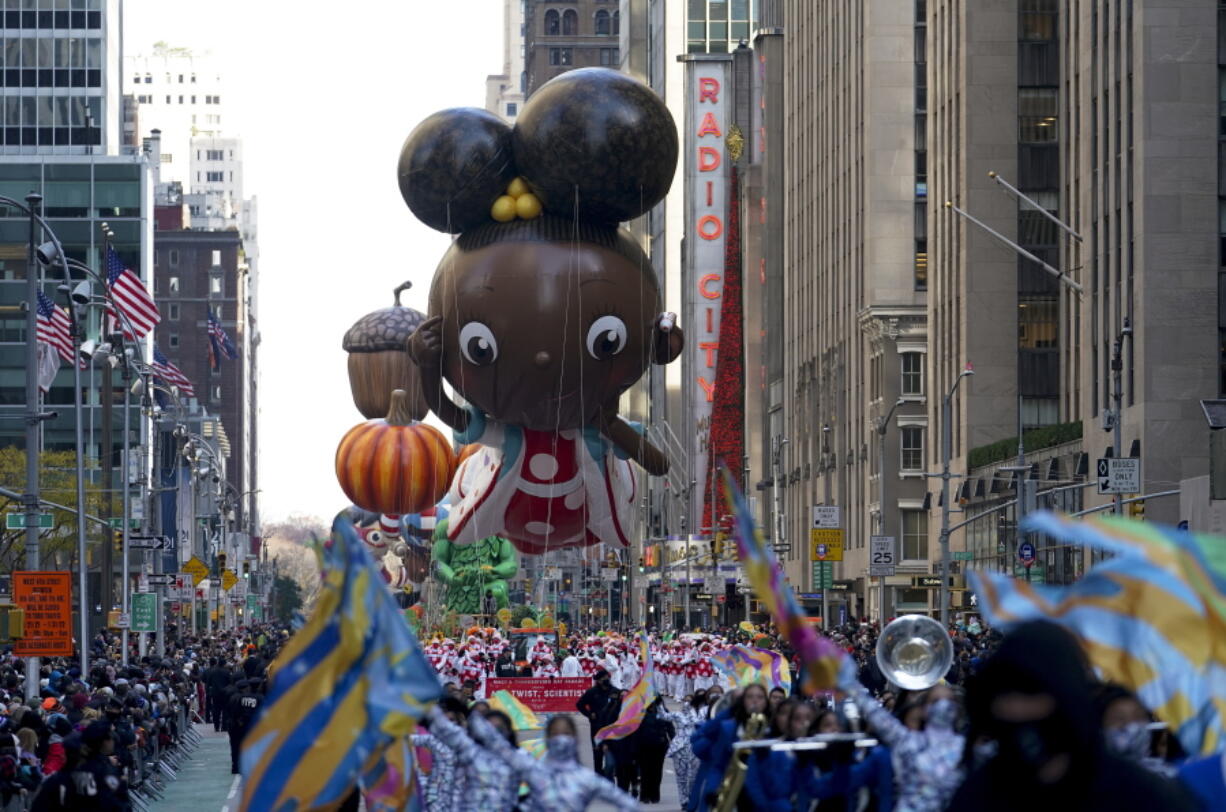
{"points": [[561, 748], [1130, 741], [983, 752], [941, 714], [1023, 747]]}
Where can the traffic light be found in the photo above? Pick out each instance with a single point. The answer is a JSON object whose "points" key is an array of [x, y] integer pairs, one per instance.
{"points": [[640, 564], [246, 569], [117, 540], [1137, 509], [12, 622], [221, 562]]}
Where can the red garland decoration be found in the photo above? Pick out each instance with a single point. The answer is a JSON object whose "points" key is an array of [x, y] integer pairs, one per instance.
{"points": [[727, 445]]}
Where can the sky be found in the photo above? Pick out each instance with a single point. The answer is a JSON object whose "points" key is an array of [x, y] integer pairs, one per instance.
{"points": [[323, 96]]}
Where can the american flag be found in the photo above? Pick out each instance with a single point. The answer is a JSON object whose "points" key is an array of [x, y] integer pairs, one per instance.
{"points": [[171, 374], [54, 328], [220, 345], [131, 297]]}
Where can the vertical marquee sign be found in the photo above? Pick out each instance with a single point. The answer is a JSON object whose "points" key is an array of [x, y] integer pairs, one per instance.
{"points": [[708, 106]]}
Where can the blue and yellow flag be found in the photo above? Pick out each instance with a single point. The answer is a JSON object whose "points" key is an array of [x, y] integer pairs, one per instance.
{"points": [[346, 686], [1152, 618]]}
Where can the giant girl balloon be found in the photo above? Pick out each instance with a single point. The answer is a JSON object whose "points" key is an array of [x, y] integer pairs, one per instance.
{"points": [[543, 312]]}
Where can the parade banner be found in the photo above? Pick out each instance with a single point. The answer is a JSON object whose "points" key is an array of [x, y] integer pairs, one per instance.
{"points": [[549, 694]]}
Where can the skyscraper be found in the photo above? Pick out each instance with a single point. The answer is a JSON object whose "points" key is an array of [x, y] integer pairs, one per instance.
{"points": [[61, 85]]}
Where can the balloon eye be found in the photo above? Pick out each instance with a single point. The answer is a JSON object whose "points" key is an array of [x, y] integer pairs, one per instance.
{"points": [[606, 337], [478, 344], [374, 537]]}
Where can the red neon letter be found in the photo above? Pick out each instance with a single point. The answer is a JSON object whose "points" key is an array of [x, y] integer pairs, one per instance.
{"points": [[703, 286], [709, 347], [709, 127], [710, 227], [708, 159], [709, 388], [708, 90]]}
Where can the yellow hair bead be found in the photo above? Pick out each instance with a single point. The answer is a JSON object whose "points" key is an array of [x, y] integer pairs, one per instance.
{"points": [[504, 209], [527, 206], [517, 188]]}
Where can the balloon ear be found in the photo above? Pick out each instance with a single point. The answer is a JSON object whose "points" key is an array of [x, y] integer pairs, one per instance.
{"points": [[668, 344]]}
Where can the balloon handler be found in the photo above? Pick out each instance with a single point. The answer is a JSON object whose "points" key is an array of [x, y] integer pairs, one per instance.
{"points": [[544, 311]]}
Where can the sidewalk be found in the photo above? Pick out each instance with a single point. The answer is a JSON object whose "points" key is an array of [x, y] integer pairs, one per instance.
{"points": [[205, 783]]}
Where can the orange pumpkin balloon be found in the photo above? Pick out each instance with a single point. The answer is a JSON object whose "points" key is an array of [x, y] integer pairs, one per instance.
{"points": [[395, 465]]}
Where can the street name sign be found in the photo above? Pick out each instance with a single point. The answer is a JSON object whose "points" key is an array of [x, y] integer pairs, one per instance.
{"points": [[17, 521]]}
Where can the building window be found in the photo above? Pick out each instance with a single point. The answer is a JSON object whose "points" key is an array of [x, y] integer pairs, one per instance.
{"points": [[215, 286], [512, 109], [914, 535], [570, 23], [560, 56], [216, 391], [215, 177], [215, 154], [610, 56], [602, 23], [172, 259], [1037, 323], [173, 340], [921, 264], [553, 23], [912, 374], [617, 23], [173, 312], [173, 283], [912, 440]]}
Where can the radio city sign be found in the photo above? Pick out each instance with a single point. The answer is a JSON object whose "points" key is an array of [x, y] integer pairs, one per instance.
{"points": [[707, 110]]}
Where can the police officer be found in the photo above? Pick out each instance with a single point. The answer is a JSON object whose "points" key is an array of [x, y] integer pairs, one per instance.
{"points": [[242, 711]]}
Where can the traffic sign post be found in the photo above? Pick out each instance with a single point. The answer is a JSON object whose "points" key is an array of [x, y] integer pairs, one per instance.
{"points": [[1026, 556], [149, 542], [144, 612], [1119, 475], [825, 544], [198, 569], [881, 563]]}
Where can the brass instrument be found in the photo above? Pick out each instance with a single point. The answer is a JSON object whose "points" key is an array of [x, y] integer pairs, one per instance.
{"points": [[738, 765], [819, 742], [914, 652]]}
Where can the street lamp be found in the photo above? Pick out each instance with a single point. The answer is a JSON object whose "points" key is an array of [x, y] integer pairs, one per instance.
{"points": [[882, 426], [946, 451], [1117, 399], [34, 418]]}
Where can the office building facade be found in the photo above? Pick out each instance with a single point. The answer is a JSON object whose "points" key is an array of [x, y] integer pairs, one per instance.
{"points": [[61, 91]]}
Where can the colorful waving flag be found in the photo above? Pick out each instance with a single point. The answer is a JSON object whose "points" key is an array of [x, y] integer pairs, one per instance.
{"points": [[390, 784], [819, 656], [743, 664], [171, 374], [220, 345], [635, 703], [130, 297], [350, 684], [522, 717], [1152, 618]]}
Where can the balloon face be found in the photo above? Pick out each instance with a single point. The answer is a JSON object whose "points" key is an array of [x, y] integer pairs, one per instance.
{"points": [[544, 334]]}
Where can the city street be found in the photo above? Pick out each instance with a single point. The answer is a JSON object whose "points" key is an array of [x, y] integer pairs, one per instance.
{"points": [[205, 784]]}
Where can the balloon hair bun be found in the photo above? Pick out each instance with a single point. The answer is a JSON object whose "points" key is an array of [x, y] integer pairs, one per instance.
{"points": [[453, 166], [596, 145]]}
